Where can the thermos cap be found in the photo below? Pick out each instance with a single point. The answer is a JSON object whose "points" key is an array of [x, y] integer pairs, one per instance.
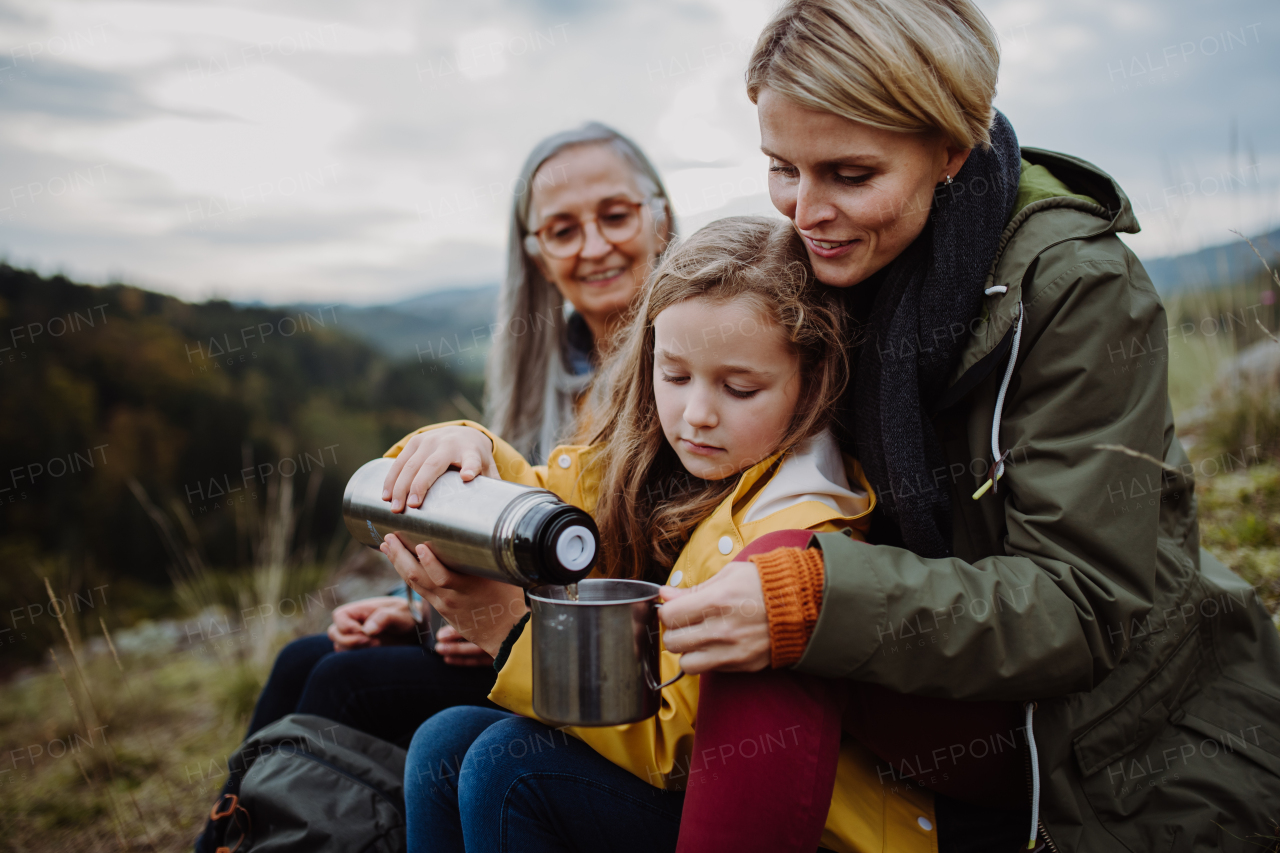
{"points": [[576, 547]]}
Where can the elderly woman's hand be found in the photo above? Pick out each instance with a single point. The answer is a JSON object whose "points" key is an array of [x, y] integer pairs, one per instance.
{"points": [[429, 454], [484, 611], [379, 621], [720, 624], [458, 650]]}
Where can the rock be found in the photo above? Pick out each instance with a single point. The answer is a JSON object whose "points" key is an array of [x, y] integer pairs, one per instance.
{"points": [[148, 637], [1255, 369]]}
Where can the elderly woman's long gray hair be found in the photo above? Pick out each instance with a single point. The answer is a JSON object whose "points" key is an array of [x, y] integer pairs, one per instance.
{"points": [[529, 392]]}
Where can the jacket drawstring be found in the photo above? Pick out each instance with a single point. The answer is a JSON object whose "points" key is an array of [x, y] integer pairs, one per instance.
{"points": [[997, 466], [1035, 778]]}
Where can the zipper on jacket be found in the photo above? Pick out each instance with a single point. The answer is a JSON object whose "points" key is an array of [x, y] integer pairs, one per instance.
{"points": [[1041, 830], [1044, 833]]}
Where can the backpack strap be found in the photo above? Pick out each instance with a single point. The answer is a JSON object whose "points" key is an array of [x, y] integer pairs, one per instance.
{"points": [[228, 815]]}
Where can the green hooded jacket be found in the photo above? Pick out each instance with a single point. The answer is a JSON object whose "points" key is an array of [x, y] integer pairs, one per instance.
{"points": [[1078, 583]]}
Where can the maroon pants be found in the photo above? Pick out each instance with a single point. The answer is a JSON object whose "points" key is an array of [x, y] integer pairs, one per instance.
{"points": [[766, 746]]}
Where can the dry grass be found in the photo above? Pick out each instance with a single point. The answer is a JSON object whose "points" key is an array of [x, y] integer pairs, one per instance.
{"points": [[1240, 525], [138, 777], [107, 749], [126, 750]]}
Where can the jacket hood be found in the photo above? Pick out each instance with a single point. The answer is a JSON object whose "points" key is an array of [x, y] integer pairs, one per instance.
{"points": [[1060, 198]]}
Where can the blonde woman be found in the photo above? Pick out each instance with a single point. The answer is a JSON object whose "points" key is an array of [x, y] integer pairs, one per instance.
{"points": [[1075, 645], [1033, 644]]}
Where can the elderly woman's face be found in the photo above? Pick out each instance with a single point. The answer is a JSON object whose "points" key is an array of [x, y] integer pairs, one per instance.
{"points": [[858, 195], [600, 280]]}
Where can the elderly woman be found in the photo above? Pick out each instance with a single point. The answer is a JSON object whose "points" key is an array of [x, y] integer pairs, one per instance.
{"points": [[1034, 646], [589, 220], [592, 217]]}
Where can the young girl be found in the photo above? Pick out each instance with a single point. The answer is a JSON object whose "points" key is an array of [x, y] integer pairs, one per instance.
{"points": [[714, 434]]}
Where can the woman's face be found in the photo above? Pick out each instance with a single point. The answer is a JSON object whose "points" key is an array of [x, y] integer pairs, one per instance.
{"points": [[602, 279], [857, 194]]}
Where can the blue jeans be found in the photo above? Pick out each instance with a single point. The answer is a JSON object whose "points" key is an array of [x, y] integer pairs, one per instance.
{"points": [[485, 780]]}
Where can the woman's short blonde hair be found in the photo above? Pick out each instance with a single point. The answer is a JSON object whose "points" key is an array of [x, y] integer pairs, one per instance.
{"points": [[904, 65]]}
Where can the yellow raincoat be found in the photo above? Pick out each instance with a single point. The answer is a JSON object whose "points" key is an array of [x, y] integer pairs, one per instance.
{"points": [[866, 813]]}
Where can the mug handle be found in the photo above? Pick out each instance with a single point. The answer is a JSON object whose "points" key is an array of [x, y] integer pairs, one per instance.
{"points": [[679, 676], [649, 675], [653, 685]]}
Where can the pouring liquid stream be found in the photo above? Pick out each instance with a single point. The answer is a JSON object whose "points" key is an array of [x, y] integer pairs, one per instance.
{"points": [[571, 590]]}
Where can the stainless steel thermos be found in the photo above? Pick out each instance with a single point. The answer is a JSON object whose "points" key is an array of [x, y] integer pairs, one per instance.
{"points": [[488, 528]]}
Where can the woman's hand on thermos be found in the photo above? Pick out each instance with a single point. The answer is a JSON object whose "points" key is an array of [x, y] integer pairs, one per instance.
{"points": [[720, 624], [484, 611], [429, 454]]}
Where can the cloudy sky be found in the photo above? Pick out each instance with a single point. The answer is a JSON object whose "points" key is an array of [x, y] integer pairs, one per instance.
{"points": [[286, 150]]}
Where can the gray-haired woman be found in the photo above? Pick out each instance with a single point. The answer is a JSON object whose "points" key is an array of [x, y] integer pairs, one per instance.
{"points": [[590, 218]]}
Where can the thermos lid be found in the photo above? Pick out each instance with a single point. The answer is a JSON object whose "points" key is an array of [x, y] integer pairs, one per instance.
{"points": [[556, 543], [576, 548]]}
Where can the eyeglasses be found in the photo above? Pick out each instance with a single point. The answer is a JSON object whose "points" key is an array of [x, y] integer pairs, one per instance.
{"points": [[563, 236]]}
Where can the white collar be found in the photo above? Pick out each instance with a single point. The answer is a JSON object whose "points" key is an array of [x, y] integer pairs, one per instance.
{"points": [[814, 471]]}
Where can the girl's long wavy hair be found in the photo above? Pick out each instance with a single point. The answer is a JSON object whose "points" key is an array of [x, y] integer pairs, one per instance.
{"points": [[649, 504]]}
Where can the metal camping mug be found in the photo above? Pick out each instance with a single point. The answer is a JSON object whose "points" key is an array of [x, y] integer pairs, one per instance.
{"points": [[595, 660], [488, 528]]}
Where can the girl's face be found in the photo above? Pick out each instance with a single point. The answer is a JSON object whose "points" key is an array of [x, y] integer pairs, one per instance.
{"points": [[602, 279], [857, 194], [726, 382]]}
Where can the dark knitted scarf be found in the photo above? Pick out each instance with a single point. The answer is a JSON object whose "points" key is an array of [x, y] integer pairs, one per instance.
{"points": [[918, 325]]}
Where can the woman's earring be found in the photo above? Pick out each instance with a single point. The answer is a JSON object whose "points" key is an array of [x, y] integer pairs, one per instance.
{"points": [[948, 180]]}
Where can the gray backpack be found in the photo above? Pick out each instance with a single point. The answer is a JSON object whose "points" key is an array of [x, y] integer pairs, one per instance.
{"points": [[305, 784]]}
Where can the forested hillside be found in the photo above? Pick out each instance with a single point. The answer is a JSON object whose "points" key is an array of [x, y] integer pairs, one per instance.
{"points": [[112, 396]]}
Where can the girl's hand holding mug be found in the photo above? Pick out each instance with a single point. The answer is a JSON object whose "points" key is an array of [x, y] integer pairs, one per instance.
{"points": [[484, 611], [429, 454], [718, 625]]}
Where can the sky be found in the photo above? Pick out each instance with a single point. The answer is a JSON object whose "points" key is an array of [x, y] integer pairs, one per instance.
{"points": [[284, 151]]}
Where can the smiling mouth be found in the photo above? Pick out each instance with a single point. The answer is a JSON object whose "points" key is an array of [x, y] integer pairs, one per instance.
{"points": [[603, 275], [829, 244]]}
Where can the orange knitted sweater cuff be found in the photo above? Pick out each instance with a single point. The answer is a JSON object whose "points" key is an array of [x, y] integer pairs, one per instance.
{"points": [[792, 580]]}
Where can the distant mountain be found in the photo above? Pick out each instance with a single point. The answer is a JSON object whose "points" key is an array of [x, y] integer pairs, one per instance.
{"points": [[443, 328], [1217, 266]]}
